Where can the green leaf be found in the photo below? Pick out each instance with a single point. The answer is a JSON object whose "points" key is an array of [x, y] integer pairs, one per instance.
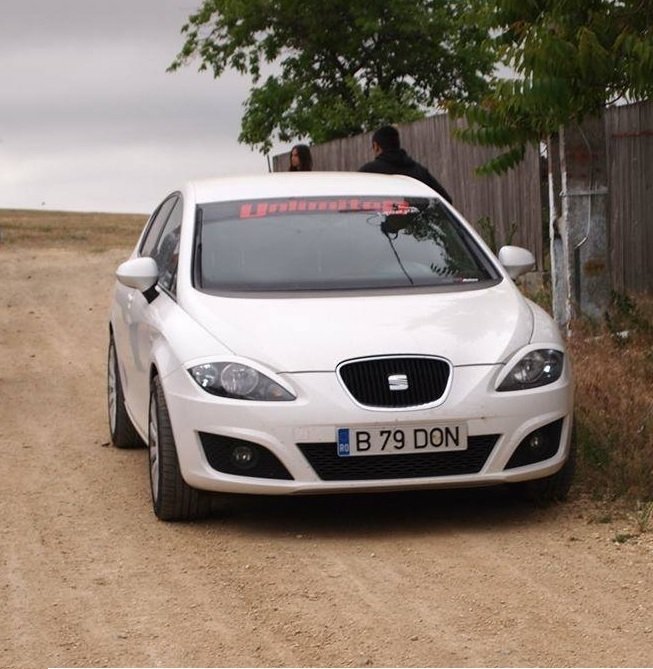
{"points": [[504, 162]]}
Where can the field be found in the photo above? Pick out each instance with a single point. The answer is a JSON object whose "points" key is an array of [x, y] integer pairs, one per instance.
{"points": [[91, 233], [91, 578]]}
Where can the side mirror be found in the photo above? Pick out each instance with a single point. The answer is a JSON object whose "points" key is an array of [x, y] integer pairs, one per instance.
{"points": [[139, 273], [516, 260]]}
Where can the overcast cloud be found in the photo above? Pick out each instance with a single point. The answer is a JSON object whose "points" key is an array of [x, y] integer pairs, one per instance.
{"points": [[91, 121]]}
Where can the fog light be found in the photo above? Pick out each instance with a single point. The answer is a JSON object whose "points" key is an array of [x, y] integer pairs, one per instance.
{"points": [[539, 445], [244, 456], [536, 441]]}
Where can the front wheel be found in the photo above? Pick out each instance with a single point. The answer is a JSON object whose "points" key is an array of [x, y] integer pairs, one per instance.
{"points": [[122, 430], [172, 497]]}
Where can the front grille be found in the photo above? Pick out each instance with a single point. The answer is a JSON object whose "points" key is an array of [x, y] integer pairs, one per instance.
{"points": [[329, 466], [368, 381]]}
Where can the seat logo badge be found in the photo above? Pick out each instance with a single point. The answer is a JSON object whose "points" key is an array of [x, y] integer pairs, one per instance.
{"points": [[398, 382]]}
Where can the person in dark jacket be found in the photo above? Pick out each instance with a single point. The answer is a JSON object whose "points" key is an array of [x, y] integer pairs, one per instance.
{"points": [[390, 158]]}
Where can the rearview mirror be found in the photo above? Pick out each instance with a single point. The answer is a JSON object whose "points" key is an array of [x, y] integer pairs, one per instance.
{"points": [[393, 223]]}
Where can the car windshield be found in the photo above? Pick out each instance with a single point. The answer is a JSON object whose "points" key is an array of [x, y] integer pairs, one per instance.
{"points": [[334, 243]]}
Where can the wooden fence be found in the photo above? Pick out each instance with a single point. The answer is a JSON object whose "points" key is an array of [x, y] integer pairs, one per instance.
{"points": [[519, 198], [509, 203], [629, 135]]}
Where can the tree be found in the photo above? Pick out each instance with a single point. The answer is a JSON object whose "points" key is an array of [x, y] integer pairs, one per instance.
{"points": [[339, 68], [571, 58]]}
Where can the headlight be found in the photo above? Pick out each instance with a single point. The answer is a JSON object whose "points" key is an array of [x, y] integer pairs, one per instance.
{"points": [[537, 368], [233, 379]]}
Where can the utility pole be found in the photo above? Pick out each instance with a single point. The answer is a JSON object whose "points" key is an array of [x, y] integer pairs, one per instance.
{"points": [[579, 221]]}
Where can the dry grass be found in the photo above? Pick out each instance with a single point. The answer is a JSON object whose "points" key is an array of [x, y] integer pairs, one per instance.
{"points": [[58, 229], [613, 363], [613, 360]]}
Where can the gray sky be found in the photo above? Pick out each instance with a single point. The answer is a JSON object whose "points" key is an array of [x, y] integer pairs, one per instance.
{"points": [[91, 121]]}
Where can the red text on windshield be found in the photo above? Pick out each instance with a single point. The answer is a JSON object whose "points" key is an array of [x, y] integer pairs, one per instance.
{"points": [[262, 208]]}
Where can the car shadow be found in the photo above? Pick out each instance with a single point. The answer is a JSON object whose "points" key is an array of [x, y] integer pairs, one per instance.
{"points": [[411, 512]]}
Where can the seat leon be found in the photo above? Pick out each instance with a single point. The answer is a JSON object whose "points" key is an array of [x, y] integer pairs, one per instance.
{"points": [[298, 333]]}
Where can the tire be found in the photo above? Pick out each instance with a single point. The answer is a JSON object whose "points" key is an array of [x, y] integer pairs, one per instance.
{"points": [[122, 430], [172, 498], [553, 488]]}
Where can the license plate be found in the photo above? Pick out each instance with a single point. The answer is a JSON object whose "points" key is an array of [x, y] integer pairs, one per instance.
{"points": [[407, 439]]}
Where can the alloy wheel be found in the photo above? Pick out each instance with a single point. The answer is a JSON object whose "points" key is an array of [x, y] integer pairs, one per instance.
{"points": [[112, 391], [153, 445]]}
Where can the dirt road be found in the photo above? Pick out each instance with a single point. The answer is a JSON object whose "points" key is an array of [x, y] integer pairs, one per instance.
{"points": [[90, 578]]}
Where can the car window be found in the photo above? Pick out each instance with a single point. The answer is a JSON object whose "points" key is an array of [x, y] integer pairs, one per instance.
{"points": [[335, 244], [156, 225], [166, 252]]}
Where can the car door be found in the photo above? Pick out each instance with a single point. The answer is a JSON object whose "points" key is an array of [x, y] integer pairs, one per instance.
{"points": [[134, 321], [150, 312]]}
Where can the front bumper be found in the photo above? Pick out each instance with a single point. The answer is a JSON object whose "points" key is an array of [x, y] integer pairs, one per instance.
{"points": [[499, 422]]}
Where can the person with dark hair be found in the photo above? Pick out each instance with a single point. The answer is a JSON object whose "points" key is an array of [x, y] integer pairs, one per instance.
{"points": [[390, 158], [300, 159]]}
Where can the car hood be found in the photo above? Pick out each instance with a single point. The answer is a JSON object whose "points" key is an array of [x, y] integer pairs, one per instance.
{"points": [[296, 334]]}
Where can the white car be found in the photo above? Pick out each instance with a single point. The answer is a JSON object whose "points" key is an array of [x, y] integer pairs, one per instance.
{"points": [[331, 332]]}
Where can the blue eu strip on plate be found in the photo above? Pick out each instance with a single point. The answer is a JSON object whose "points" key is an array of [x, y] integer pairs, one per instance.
{"points": [[343, 441]]}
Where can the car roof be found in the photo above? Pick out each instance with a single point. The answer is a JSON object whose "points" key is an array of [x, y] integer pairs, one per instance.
{"points": [[298, 184]]}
